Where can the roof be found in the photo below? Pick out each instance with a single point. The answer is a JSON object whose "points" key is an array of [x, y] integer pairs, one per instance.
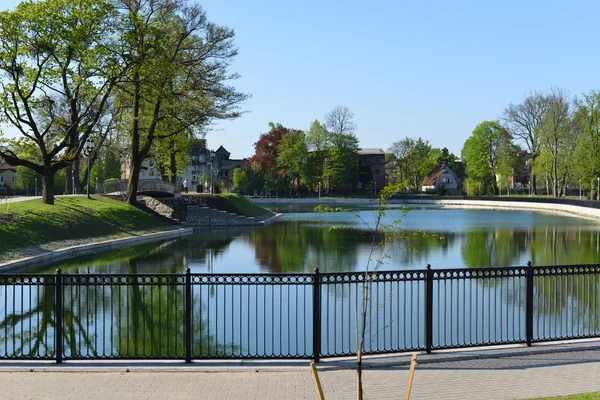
{"points": [[7, 167], [433, 176], [369, 151], [231, 163], [222, 151]]}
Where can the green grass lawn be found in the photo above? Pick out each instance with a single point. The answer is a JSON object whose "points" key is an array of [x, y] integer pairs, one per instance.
{"points": [[584, 396], [246, 207], [32, 222]]}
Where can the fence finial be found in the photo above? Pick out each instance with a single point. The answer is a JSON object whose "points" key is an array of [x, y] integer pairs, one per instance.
{"points": [[529, 264]]}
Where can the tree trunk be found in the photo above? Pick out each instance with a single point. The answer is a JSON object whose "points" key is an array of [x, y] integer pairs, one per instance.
{"points": [[136, 162], [359, 383], [76, 171], [69, 179], [48, 185], [132, 184], [555, 178], [173, 167]]}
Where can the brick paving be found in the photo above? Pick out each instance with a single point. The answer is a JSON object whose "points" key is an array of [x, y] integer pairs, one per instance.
{"points": [[514, 377]]}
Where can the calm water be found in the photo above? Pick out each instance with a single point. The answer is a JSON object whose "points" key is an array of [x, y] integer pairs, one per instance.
{"points": [[257, 319], [303, 241]]}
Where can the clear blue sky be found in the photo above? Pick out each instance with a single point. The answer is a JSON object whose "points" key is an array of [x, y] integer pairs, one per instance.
{"points": [[433, 69]]}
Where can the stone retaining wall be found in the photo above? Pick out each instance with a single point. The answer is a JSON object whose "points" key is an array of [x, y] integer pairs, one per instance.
{"points": [[204, 216], [452, 203]]}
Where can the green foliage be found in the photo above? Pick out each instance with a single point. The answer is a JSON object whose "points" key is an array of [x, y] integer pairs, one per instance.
{"points": [[33, 222], [107, 165], [177, 80], [488, 154], [415, 158], [291, 159], [247, 207], [240, 182], [58, 73], [342, 162]]}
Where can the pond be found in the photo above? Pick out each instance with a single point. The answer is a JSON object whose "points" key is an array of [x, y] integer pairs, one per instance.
{"points": [[340, 241], [257, 317]]}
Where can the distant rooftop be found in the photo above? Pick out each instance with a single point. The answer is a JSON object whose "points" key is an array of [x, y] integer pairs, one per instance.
{"points": [[6, 166], [368, 151]]}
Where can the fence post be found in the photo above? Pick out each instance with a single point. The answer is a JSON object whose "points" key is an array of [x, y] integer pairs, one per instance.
{"points": [[316, 315], [188, 316], [428, 309], [58, 314], [529, 304]]}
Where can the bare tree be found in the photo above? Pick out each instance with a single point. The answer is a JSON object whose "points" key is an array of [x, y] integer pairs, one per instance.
{"points": [[340, 121], [523, 122]]}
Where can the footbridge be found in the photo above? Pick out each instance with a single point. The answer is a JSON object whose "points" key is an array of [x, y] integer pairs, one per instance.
{"points": [[151, 187]]}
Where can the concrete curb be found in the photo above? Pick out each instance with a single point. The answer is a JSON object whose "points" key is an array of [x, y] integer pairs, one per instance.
{"points": [[373, 362], [89, 248], [271, 219], [471, 204]]}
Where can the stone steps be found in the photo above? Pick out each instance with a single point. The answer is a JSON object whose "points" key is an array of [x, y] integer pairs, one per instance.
{"points": [[205, 216]]}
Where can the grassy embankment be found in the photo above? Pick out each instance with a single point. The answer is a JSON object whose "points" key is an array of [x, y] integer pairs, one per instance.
{"points": [[32, 222], [247, 207]]}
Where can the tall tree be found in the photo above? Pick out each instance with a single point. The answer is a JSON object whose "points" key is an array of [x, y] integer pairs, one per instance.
{"points": [[58, 74], [341, 167], [318, 140], [262, 165], [485, 152], [416, 158], [292, 159], [266, 148], [523, 121], [556, 132], [177, 76], [340, 121], [586, 120]]}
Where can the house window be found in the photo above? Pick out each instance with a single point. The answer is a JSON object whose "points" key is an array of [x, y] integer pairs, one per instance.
{"points": [[377, 171], [376, 158], [1, 179]]}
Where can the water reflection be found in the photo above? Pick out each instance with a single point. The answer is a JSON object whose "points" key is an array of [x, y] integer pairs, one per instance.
{"points": [[136, 320], [341, 242]]}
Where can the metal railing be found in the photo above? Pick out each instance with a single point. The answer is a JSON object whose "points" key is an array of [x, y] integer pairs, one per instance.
{"points": [[299, 316], [144, 185]]}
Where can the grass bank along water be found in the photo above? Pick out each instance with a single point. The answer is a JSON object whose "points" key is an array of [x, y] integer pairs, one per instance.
{"points": [[31, 223], [76, 225]]}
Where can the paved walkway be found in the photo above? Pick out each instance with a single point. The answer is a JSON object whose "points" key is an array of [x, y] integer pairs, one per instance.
{"points": [[478, 374]]}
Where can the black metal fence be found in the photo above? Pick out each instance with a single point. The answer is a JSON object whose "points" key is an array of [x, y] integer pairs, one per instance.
{"points": [[217, 316]]}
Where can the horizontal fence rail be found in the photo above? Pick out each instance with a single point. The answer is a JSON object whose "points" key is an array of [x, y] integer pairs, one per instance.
{"points": [[298, 316]]}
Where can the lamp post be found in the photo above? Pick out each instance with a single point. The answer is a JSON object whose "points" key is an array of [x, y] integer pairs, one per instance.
{"points": [[265, 188], [36, 186], [210, 166], [579, 188], [87, 150], [599, 188]]}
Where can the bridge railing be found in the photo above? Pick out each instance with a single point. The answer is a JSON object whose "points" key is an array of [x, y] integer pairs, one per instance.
{"points": [[298, 316], [144, 185]]}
